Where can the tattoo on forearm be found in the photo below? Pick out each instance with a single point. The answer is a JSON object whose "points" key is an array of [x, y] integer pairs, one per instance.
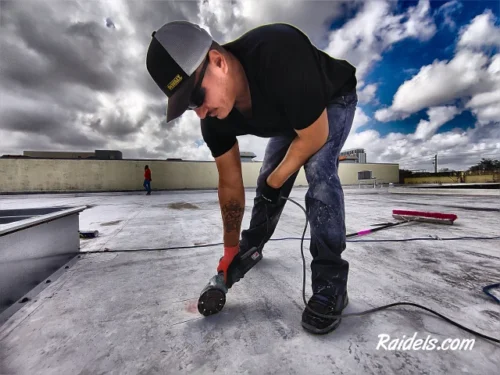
{"points": [[232, 213]]}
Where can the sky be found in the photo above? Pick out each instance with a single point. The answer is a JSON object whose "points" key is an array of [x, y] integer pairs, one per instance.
{"points": [[73, 75]]}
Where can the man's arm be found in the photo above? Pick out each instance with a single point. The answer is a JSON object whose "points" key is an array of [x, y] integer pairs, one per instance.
{"points": [[231, 194], [306, 144]]}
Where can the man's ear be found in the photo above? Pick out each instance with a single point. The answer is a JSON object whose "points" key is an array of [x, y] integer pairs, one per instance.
{"points": [[219, 60]]}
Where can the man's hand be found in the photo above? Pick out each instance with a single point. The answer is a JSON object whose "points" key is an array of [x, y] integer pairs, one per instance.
{"points": [[269, 194], [229, 253]]}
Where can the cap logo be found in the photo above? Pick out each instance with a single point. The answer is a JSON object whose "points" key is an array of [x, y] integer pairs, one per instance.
{"points": [[173, 83]]}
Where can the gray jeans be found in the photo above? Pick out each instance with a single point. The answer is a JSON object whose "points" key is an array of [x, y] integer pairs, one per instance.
{"points": [[324, 200]]}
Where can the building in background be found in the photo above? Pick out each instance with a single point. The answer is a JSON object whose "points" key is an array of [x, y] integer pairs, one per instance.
{"points": [[247, 156], [355, 155], [97, 154]]}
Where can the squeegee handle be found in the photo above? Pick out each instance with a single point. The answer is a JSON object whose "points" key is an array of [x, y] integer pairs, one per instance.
{"points": [[368, 231]]}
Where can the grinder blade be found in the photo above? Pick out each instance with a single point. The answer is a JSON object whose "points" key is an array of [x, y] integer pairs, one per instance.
{"points": [[213, 296], [211, 302]]}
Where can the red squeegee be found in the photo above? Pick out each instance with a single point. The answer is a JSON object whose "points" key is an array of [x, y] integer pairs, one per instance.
{"points": [[431, 217]]}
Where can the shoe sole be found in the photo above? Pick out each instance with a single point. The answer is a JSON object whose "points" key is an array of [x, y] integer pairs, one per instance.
{"points": [[327, 329], [318, 331]]}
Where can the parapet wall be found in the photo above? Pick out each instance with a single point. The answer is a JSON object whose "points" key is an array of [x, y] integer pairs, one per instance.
{"points": [[65, 175]]}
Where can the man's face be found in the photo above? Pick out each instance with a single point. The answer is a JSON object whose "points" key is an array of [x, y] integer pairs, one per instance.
{"points": [[219, 97]]}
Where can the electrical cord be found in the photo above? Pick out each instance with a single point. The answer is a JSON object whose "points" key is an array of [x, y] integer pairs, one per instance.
{"points": [[106, 250], [375, 309], [487, 288], [430, 238]]}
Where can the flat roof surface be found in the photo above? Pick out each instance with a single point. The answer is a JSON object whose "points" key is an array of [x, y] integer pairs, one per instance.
{"points": [[134, 312]]}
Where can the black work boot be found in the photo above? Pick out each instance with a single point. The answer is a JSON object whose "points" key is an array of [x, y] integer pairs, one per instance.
{"points": [[326, 305]]}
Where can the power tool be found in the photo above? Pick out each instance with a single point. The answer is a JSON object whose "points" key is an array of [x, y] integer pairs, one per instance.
{"points": [[213, 296]]}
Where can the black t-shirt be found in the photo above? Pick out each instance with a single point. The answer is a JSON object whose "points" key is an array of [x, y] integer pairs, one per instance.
{"points": [[291, 83]]}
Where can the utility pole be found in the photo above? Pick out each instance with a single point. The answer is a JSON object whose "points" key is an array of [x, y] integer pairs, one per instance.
{"points": [[435, 163]]}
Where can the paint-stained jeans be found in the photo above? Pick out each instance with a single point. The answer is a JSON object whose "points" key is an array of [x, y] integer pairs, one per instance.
{"points": [[324, 200]]}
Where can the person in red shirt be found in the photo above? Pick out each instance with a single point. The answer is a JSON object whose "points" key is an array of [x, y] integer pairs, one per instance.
{"points": [[147, 180]]}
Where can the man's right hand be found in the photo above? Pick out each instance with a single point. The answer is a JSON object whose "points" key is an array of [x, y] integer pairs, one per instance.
{"points": [[269, 194], [229, 253]]}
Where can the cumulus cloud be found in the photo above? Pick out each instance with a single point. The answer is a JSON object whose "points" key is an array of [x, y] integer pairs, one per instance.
{"points": [[481, 32], [367, 93], [360, 119], [375, 28], [456, 149], [181, 139], [440, 83], [471, 73], [437, 117], [227, 20]]}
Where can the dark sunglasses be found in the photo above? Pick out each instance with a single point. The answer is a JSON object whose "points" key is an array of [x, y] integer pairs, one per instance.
{"points": [[198, 94]]}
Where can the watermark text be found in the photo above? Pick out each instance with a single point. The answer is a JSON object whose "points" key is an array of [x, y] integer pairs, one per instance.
{"points": [[429, 343]]}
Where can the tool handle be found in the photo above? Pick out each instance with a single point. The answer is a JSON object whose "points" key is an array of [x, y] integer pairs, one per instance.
{"points": [[368, 231]]}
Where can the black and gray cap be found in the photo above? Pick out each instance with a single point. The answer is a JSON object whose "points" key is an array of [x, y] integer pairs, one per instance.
{"points": [[176, 50]]}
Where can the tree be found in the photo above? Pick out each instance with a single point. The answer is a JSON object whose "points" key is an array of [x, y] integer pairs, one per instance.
{"points": [[486, 165]]}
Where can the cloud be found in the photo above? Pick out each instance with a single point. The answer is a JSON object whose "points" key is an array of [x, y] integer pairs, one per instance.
{"points": [[456, 149], [388, 114], [367, 93], [70, 80], [437, 116], [440, 83], [375, 28], [360, 119], [481, 32], [179, 140], [39, 118], [253, 144], [226, 22]]}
